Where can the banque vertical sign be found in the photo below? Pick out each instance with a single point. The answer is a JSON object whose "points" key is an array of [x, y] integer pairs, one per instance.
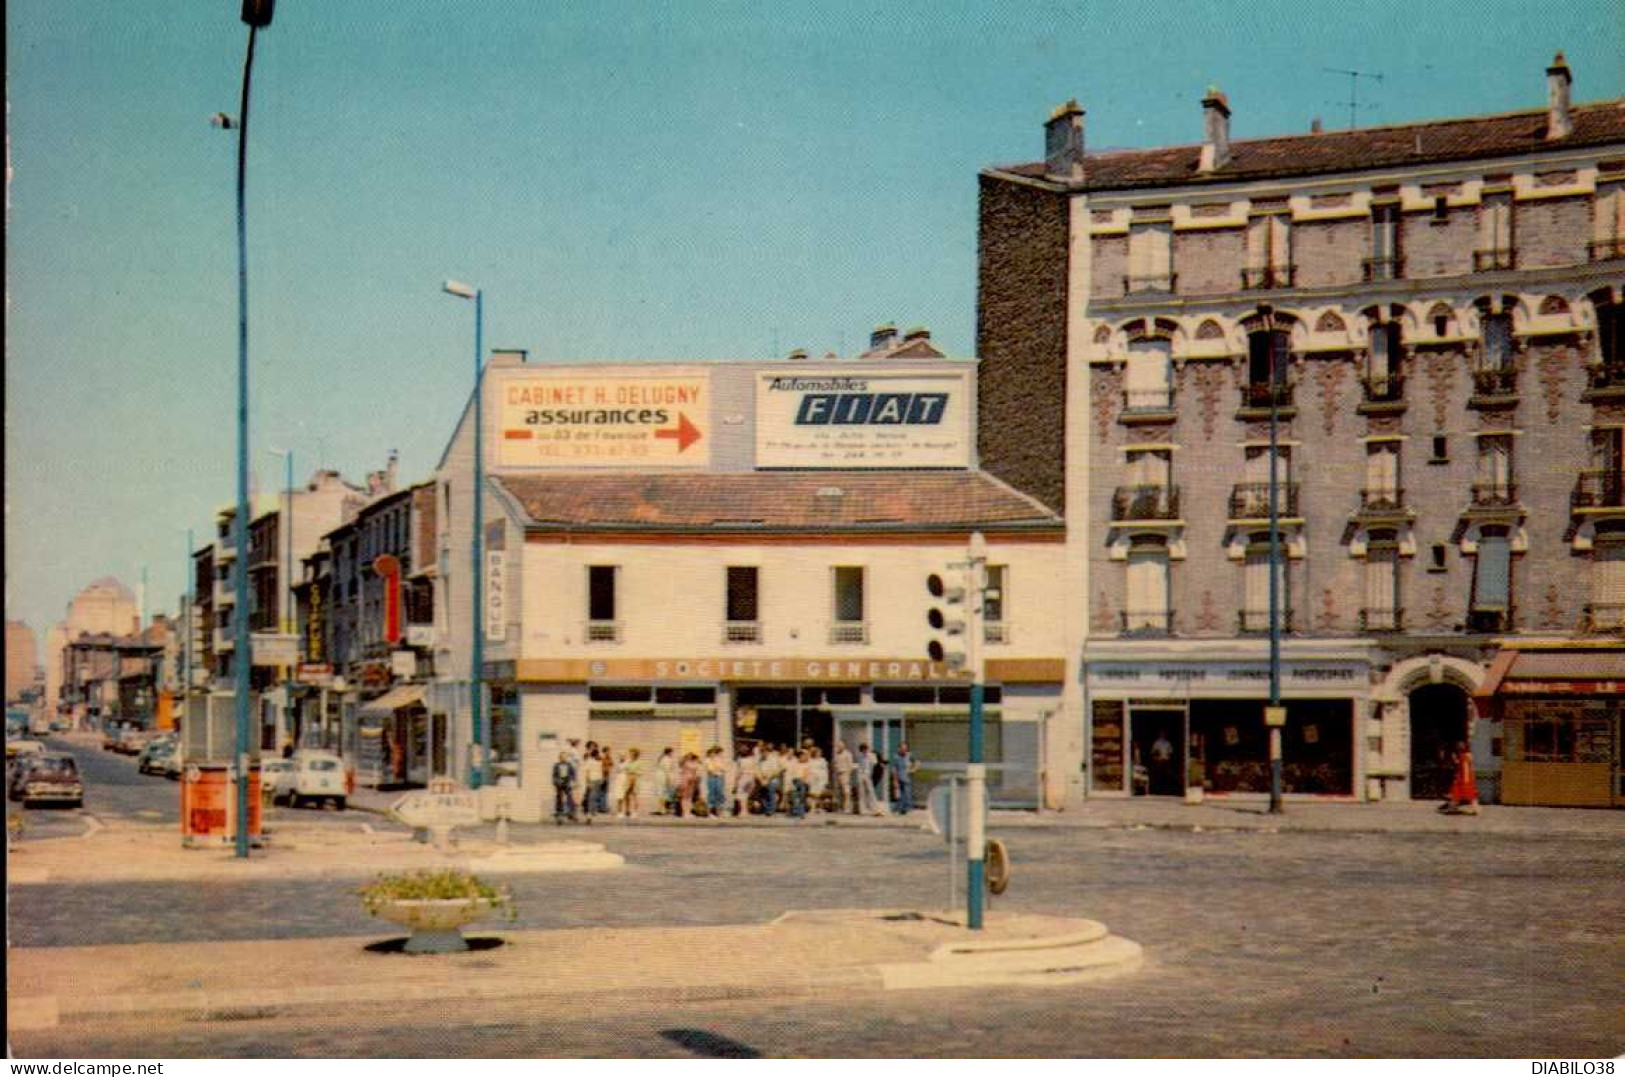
{"points": [[612, 420], [858, 419]]}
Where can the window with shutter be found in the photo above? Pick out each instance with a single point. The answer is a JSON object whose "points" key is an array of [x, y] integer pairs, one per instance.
{"points": [[1492, 574], [1608, 581], [1149, 370], [1147, 605]]}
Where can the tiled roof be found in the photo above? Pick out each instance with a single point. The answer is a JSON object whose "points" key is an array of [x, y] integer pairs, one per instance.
{"points": [[819, 500], [1349, 151]]}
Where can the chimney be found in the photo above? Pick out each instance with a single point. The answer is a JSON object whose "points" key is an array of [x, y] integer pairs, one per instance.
{"points": [[919, 332], [1314, 126], [798, 355], [389, 470], [882, 337], [1063, 143], [1215, 131], [1558, 79]]}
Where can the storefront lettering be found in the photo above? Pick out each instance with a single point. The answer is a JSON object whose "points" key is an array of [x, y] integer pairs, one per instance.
{"points": [[736, 669]]}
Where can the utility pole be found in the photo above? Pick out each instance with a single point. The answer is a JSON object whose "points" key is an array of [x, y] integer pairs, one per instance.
{"points": [[1275, 714]]}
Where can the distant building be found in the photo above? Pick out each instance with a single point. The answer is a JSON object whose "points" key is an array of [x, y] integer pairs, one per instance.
{"points": [[22, 660], [103, 607], [1435, 314]]}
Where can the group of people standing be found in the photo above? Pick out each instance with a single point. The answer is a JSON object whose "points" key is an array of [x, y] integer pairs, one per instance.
{"points": [[764, 779]]}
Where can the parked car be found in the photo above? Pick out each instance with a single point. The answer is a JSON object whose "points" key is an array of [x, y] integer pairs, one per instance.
{"points": [[113, 735], [172, 764], [317, 776], [151, 758], [49, 778], [18, 748], [276, 778]]}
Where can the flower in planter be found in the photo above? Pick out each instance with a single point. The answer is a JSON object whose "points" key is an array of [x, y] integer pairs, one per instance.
{"points": [[446, 885]]}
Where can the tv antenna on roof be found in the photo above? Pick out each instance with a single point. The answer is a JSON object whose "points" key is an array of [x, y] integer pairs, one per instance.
{"points": [[1354, 88]]}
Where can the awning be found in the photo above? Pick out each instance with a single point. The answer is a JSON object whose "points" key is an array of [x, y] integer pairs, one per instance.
{"points": [[404, 695], [1558, 671]]}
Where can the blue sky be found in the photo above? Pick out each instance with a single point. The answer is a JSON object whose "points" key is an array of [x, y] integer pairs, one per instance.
{"points": [[684, 181]]}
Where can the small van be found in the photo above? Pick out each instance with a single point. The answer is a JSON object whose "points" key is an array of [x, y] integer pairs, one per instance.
{"points": [[317, 776]]}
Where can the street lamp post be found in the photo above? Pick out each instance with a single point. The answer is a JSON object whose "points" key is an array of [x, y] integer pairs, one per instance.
{"points": [[480, 763], [1274, 717], [257, 14]]}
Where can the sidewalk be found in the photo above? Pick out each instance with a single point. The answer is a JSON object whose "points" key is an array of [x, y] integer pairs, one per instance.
{"points": [[798, 954], [1169, 813], [129, 852]]}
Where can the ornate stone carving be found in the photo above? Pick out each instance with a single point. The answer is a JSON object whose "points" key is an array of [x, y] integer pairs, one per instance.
{"points": [[1442, 367], [1207, 617], [1329, 374], [1328, 609], [1438, 614], [1105, 618], [1108, 397], [1552, 377]]}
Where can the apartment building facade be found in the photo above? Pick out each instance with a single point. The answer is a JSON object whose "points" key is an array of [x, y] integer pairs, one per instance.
{"points": [[1432, 315]]}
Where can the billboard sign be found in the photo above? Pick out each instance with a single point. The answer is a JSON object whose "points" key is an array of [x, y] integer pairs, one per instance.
{"points": [[841, 418], [620, 420]]}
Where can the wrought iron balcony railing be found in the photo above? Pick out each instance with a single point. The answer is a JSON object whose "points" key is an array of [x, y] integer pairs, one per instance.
{"points": [[849, 632], [1153, 622], [1606, 250], [1599, 488], [1383, 268], [1145, 503], [1495, 381], [1259, 620], [1490, 258], [1157, 282], [1259, 394], [1266, 277], [603, 631], [1382, 499], [1251, 500], [1148, 399], [1384, 388], [1606, 376], [1377, 619], [1494, 495], [742, 632], [1605, 616]]}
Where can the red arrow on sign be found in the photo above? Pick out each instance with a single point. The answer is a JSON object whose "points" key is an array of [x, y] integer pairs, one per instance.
{"points": [[685, 432]]}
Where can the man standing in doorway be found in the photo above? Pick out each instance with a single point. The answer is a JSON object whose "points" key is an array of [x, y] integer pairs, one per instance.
{"points": [[1162, 765]]}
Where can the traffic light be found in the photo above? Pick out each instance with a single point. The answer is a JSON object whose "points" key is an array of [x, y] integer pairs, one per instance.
{"points": [[947, 618]]}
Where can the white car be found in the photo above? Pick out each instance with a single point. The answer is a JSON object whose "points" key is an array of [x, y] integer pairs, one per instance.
{"points": [[317, 776], [276, 778]]}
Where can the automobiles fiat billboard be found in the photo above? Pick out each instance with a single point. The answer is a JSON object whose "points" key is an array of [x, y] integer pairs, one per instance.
{"points": [[858, 419], [570, 421]]}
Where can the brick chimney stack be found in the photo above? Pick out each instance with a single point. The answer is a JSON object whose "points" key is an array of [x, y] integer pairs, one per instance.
{"points": [[1215, 131], [1063, 143], [1558, 81]]}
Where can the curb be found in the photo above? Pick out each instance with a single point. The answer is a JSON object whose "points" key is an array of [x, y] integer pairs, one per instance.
{"points": [[1087, 953]]}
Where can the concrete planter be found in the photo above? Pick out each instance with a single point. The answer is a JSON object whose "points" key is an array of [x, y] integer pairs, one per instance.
{"points": [[436, 925]]}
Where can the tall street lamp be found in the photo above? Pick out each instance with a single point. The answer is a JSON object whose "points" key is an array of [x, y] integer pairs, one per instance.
{"points": [[1275, 714], [257, 14], [480, 761]]}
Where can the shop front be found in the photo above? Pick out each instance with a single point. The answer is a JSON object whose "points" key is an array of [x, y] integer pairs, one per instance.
{"points": [[1162, 727], [806, 703], [1562, 713], [393, 739]]}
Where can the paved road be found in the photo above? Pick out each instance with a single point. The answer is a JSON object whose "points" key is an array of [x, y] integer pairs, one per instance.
{"points": [[1257, 944]]}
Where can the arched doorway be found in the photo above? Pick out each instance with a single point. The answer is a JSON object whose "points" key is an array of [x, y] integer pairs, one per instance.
{"points": [[1438, 722]]}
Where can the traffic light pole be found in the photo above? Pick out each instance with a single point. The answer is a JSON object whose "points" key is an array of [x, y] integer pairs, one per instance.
{"points": [[976, 772]]}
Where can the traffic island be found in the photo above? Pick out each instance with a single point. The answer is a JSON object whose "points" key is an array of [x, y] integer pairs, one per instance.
{"points": [[833, 952]]}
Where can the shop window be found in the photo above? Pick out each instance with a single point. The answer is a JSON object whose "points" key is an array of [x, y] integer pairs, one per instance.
{"points": [[619, 693], [959, 694], [601, 623], [504, 728], [1491, 606], [906, 693], [743, 611], [848, 626], [686, 695]]}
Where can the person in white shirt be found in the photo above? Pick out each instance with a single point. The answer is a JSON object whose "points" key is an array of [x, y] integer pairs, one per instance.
{"points": [[744, 781], [845, 765], [592, 774], [864, 776], [665, 781], [770, 776], [817, 777]]}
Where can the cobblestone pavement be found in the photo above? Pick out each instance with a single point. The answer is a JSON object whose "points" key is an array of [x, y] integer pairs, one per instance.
{"points": [[1256, 944]]}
